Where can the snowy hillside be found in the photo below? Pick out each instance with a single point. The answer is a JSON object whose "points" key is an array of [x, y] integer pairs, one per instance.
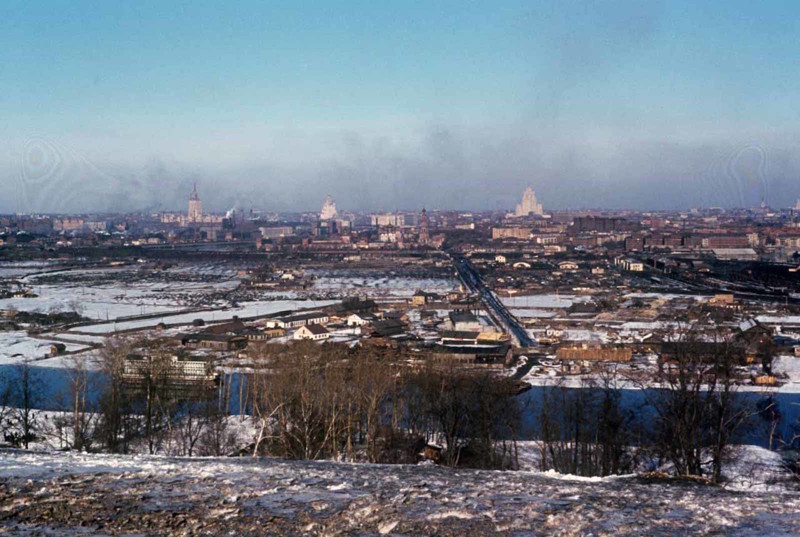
{"points": [[72, 494]]}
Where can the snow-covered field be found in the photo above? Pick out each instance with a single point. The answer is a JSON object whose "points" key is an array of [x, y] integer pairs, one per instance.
{"points": [[111, 293], [17, 346], [111, 300], [779, 319], [55, 493], [379, 287], [524, 313], [21, 268], [102, 302], [540, 302], [248, 309], [665, 296]]}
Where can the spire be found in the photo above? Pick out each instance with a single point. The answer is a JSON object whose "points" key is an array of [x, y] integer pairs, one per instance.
{"points": [[194, 196]]}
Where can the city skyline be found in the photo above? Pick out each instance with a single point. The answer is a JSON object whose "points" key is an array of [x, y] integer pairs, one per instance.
{"points": [[662, 105], [529, 205]]}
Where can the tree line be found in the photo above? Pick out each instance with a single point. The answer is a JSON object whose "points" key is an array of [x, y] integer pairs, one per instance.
{"points": [[309, 401]]}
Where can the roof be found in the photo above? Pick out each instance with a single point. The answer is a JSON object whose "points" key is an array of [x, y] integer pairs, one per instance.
{"points": [[355, 304], [747, 324], [389, 323], [463, 317], [205, 336], [734, 252], [459, 334], [316, 329], [365, 316], [420, 292], [303, 316], [474, 350], [223, 328], [388, 327]]}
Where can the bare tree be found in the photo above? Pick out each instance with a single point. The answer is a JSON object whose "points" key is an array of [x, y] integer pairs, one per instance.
{"points": [[698, 409], [82, 416], [6, 421], [194, 414], [476, 414], [117, 424], [25, 398], [216, 438]]}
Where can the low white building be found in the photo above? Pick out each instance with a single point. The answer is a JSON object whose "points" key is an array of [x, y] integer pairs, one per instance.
{"points": [[300, 319], [313, 332], [360, 319], [631, 265]]}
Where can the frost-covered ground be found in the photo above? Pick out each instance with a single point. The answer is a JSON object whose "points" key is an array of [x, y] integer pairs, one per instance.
{"points": [[55, 493], [111, 293], [749, 468], [18, 345], [540, 302], [23, 268], [524, 313], [100, 302], [377, 287], [245, 310], [665, 296]]}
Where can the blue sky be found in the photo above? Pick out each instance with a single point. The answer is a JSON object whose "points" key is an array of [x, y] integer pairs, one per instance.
{"points": [[406, 100]]}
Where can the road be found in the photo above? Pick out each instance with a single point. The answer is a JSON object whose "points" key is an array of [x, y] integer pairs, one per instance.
{"points": [[473, 281]]}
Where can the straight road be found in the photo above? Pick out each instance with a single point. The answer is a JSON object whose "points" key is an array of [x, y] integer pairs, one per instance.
{"points": [[473, 281]]}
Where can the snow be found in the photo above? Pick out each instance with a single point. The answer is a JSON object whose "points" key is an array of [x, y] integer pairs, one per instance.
{"points": [[523, 313], [757, 469], [115, 292], [666, 296], [378, 287], [790, 366], [649, 325], [95, 302], [144, 494], [750, 468], [22, 268], [779, 319], [544, 301], [245, 310], [17, 346]]}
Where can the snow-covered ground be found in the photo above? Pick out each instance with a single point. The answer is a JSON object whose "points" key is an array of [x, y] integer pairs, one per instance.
{"points": [[21, 268], [101, 302], [111, 293], [789, 366], [545, 301], [247, 309], [665, 296], [779, 319], [751, 468], [54, 493], [379, 286], [18, 346], [530, 313]]}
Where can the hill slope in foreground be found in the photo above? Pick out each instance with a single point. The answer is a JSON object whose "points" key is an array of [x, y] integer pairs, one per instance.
{"points": [[80, 494]]}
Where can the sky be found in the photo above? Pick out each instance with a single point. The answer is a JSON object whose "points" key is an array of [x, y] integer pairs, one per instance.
{"points": [[117, 106]]}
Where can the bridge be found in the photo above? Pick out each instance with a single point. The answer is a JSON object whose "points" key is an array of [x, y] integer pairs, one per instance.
{"points": [[475, 284]]}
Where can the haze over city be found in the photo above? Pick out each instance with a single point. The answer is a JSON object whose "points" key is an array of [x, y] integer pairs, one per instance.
{"points": [[641, 105], [453, 268]]}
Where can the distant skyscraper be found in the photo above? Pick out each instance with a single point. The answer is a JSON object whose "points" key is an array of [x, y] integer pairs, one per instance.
{"points": [[195, 206], [328, 209], [797, 206], [530, 205]]}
